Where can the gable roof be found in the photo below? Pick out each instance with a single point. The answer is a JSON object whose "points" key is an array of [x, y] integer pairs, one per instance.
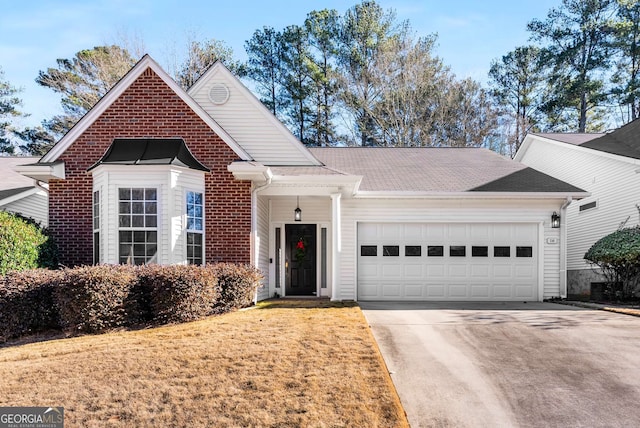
{"points": [[574, 138], [146, 62], [150, 151], [624, 141], [267, 140], [439, 170]]}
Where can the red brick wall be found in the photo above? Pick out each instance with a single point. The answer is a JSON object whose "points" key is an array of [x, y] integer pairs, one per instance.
{"points": [[150, 109]]}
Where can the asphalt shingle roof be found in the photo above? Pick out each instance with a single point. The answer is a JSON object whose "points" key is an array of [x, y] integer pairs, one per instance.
{"points": [[437, 170], [624, 141]]}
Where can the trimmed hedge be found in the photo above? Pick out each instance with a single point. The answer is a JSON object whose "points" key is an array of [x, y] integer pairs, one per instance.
{"points": [[237, 285], [24, 244], [27, 303], [618, 255], [177, 293], [92, 299]]}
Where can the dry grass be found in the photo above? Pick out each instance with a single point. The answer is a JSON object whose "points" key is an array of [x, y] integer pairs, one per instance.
{"points": [[283, 364]]}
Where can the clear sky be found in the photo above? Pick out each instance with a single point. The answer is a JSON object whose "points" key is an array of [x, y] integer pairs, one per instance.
{"points": [[34, 33]]}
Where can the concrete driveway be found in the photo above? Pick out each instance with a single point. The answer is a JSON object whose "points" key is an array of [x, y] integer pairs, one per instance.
{"points": [[510, 365]]}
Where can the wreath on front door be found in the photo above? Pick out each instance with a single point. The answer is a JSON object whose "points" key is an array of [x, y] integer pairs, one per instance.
{"points": [[301, 250]]}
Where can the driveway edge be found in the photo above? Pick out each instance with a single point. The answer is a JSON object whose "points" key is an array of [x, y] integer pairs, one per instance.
{"points": [[589, 305]]}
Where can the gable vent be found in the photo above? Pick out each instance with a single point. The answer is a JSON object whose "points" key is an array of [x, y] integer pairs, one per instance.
{"points": [[219, 93]]}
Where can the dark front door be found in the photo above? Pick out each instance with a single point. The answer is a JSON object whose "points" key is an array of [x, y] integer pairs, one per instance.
{"points": [[300, 259]]}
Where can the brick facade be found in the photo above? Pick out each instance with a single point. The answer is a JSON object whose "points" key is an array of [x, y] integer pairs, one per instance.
{"points": [[150, 109]]}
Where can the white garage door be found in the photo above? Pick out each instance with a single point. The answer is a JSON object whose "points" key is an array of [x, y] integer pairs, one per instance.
{"points": [[446, 262]]}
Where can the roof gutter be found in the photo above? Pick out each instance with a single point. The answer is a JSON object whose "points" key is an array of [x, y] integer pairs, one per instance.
{"points": [[471, 195]]}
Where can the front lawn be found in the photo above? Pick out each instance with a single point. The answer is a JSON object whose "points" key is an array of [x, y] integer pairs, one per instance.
{"points": [[285, 363]]}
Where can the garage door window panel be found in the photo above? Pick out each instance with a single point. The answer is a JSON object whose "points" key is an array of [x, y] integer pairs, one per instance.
{"points": [[391, 250], [435, 251], [457, 251], [479, 251], [524, 251], [413, 251], [501, 251], [369, 250]]}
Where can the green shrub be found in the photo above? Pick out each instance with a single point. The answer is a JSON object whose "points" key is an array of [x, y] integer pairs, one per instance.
{"points": [[177, 293], [92, 299], [237, 285], [24, 245], [27, 303], [618, 255]]}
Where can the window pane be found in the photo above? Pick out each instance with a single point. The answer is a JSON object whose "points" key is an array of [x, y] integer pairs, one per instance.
{"points": [[191, 196], [413, 250], [197, 239], [137, 207], [124, 194], [198, 211], [435, 251], [198, 224], [151, 221], [151, 207], [137, 194], [477, 251], [501, 251], [190, 223], [152, 236], [191, 210], [96, 248], [125, 236], [457, 251], [391, 250], [137, 221], [139, 250], [150, 194], [124, 207], [368, 250], [198, 199], [139, 236], [524, 251]]}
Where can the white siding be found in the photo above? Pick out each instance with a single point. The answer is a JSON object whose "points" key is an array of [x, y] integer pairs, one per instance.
{"points": [[314, 209], [262, 243], [613, 184], [250, 124], [34, 206], [449, 211]]}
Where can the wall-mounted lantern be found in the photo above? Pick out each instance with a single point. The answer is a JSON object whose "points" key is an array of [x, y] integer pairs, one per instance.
{"points": [[297, 214], [555, 220]]}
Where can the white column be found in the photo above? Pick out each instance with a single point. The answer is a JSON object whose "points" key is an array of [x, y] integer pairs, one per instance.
{"points": [[336, 245]]}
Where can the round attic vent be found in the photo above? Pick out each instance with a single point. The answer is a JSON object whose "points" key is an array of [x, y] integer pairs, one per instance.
{"points": [[219, 93]]}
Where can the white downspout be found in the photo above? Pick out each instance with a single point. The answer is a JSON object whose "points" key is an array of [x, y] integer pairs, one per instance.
{"points": [[563, 247], [254, 226]]}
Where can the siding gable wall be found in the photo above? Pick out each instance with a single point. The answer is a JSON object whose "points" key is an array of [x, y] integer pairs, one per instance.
{"points": [[613, 183], [253, 126], [150, 109]]}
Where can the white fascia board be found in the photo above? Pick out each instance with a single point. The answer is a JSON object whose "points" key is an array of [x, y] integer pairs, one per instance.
{"points": [[110, 97], [470, 195], [42, 172], [528, 141], [18, 196], [253, 171], [217, 67]]}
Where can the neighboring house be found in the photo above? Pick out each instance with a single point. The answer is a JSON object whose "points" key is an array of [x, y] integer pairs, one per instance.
{"points": [[156, 174], [608, 167], [20, 194]]}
